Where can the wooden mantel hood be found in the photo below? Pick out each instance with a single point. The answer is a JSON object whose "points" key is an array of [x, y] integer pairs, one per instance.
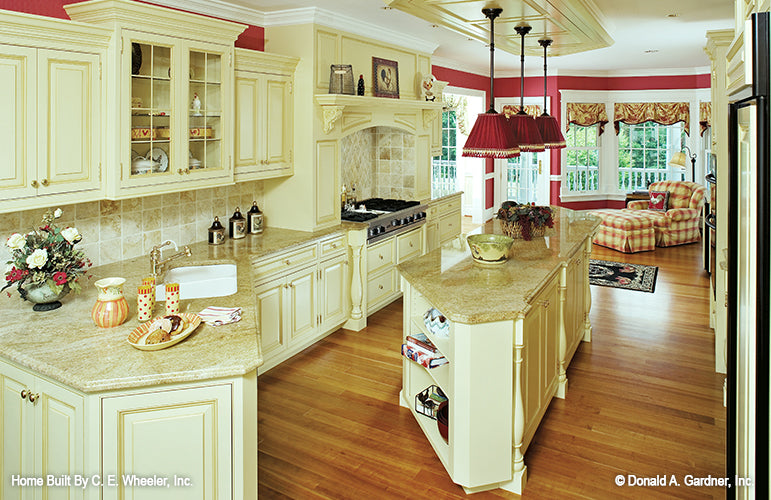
{"points": [[335, 106]]}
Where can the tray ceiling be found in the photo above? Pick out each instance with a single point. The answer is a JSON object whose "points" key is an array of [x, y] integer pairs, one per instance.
{"points": [[574, 25]]}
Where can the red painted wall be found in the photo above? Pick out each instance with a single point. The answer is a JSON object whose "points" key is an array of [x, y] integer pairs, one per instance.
{"points": [[252, 38]]}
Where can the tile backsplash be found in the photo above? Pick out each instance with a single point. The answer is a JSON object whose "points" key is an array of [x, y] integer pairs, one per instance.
{"points": [[117, 230], [380, 162]]}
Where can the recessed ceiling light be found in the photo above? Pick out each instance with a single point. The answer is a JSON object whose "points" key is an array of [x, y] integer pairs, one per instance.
{"points": [[386, 7], [651, 51], [674, 14], [434, 25]]}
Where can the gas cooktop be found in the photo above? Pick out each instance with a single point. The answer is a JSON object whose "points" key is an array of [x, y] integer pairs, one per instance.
{"points": [[386, 216]]}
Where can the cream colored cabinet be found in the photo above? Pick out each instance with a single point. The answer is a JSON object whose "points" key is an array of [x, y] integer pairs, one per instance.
{"points": [[302, 295], [436, 135], [50, 125], [170, 100], [42, 425], [443, 221], [263, 113], [185, 431], [383, 285]]}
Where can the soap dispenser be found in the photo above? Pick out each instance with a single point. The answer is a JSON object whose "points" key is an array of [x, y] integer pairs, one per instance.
{"points": [[216, 232], [254, 219], [237, 226]]}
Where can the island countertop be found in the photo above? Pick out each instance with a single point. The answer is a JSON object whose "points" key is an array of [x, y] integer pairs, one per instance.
{"points": [[467, 293], [66, 346]]}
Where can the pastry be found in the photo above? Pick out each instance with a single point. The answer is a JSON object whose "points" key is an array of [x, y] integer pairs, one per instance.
{"points": [[177, 324], [158, 336]]}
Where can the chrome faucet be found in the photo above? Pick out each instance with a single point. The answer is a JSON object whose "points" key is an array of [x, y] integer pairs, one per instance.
{"points": [[157, 266]]}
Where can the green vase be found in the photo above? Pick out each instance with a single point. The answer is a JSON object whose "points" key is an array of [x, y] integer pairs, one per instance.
{"points": [[43, 297]]}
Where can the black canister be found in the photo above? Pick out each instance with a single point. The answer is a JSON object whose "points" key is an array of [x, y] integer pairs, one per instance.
{"points": [[254, 219], [237, 226], [216, 232], [360, 86]]}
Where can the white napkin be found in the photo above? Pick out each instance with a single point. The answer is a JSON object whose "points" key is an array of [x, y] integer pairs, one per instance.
{"points": [[216, 316]]}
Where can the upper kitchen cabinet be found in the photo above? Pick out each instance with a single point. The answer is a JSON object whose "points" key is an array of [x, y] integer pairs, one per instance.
{"points": [[264, 107], [51, 102], [170, 101]]}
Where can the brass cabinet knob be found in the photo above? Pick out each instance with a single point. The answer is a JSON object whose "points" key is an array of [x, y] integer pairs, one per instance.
{"points": [[24, 393], [33, 397], [380, 287], [381, 257], [411, 244], [44, 182], [34, 184], [287, 262]]}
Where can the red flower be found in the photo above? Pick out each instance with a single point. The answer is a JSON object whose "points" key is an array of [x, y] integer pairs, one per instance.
{"points": [[60, 278], [15, 275]]}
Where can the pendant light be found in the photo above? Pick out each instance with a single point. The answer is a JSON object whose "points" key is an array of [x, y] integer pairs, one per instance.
{"points": [[523, 125], [547, 124], [491, 136]]}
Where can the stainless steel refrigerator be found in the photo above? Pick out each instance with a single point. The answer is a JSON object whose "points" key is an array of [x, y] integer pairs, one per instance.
{"points": [[749, 237]]}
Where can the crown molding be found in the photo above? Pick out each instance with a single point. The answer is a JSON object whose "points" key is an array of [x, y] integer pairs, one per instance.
{"points": [[315, 15], [700, 70], [216, 8], [458, 66]]}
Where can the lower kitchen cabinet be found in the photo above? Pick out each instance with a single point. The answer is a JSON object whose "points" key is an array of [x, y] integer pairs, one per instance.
{"points": [[42, 432], [443, 221], [201, 436], [302, 301], [383, 285]]}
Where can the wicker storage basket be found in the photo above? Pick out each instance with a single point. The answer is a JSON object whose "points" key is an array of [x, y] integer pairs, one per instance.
{"points": [[514, 230]]}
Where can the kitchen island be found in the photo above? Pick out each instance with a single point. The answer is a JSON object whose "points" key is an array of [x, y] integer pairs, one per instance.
{"points": [[79, 400], [511, 333]]}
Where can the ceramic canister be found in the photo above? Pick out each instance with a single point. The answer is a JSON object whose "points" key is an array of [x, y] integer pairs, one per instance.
{"points": [[172, 298], [145, 302], [111, 308]]}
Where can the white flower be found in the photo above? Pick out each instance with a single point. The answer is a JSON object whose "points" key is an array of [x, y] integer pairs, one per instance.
{"points": [[58, 213], [70, 234], [38, 258], [16, 241]]}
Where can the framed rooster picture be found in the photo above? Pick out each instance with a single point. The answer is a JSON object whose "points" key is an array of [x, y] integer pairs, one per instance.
{"points": [[385, 78]]}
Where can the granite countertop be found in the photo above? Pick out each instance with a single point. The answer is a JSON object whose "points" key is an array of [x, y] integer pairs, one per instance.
{"points": [[66, 346], [467, 293], [443, 197]]}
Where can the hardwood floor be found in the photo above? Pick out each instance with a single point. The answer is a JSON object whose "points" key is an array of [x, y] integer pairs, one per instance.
{"points": [[643, 399]]}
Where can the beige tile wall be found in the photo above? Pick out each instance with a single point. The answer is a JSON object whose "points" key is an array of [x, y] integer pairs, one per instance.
{"points": [[380, 162], [117, 230]]}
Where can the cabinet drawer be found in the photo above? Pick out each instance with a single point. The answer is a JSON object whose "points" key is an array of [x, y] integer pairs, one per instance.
{"points": [[450, 206], [333, 246], [409, 245], [432, 212], [284, 261], [381, 256], [381, 286], [449, 226]]}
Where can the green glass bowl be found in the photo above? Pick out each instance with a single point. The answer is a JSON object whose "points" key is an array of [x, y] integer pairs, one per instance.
{"points": [[489, 249]]}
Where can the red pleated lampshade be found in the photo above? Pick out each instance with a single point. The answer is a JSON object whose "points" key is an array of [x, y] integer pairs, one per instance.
{"points": [[550, 132], [526, 132], [491, 137]]}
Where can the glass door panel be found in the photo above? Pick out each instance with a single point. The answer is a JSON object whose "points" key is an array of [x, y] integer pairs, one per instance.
{"points": [[205, 113], [151, 109]]}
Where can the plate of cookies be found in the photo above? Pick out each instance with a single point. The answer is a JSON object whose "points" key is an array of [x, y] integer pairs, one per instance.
{"points": [[163, 331]]}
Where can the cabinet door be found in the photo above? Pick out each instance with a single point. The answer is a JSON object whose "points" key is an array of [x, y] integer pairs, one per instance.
{"points": [[184, 433], [432, 236], [270, 307], [59, 440], [278, 122], [69, 126], [18, 90], [248, 125], [302, 320], [333, 291], [16, 430]]}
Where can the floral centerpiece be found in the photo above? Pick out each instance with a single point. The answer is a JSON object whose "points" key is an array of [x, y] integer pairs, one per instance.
{"points": [[522, 220], [46, 259]]}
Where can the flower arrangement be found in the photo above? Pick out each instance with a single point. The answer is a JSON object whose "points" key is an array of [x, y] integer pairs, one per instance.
{"points": [[46, 256], [524, 219]]}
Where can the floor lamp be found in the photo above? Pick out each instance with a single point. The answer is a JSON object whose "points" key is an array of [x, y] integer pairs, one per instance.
{"points": [[678, 160]]}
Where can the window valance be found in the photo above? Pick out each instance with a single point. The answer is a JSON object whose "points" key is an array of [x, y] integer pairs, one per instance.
{"points": [[509, 110], [705, 116], [664, 113], [586, 114]]}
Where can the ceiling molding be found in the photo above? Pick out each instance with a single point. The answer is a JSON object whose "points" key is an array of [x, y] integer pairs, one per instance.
{"points": [[627, 73], [216, 8], [315, 15], [457, 65]]}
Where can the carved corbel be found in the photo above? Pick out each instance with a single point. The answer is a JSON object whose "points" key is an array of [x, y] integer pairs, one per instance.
{"points": [[331, 115], [429, 115]]}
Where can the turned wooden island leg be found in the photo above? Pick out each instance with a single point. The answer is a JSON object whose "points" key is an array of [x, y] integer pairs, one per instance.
{"points": [[562, 384], [588, 291]]}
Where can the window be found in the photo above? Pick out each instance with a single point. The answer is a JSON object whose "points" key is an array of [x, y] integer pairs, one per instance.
{"points": [[522, 178], [644, 151], [582, 169], [443, 178]]}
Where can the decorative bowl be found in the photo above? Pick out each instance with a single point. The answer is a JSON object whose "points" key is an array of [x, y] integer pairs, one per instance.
{"points": [[489, 249]]}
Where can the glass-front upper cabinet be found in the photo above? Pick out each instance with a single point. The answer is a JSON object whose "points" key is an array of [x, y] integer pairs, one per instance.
{"points": [[178, 102]]}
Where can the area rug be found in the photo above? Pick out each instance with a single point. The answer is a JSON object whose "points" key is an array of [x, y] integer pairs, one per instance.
{"points": [[619, 275]]}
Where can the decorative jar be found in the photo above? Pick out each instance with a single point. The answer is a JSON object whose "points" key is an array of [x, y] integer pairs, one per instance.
{"points": [[111, 307]]}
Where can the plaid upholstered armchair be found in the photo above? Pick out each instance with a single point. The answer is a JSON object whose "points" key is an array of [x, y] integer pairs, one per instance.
{"points": [[676, 219]]}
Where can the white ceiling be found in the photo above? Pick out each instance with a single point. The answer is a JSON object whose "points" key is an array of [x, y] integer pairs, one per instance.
{"points": [[636, 26]]}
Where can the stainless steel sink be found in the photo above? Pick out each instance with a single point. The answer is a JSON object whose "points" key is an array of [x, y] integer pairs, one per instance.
{"points": [[196, 282]]}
